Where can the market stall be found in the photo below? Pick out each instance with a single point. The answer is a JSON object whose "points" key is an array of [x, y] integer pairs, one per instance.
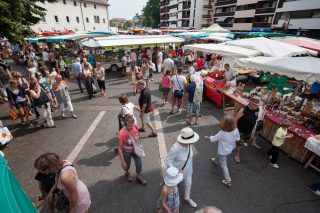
{"points": [[308, 43], [301, 108]]}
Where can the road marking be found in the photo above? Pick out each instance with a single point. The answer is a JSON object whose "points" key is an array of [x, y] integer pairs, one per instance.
{"points": [[76, 150], [161, 140]]}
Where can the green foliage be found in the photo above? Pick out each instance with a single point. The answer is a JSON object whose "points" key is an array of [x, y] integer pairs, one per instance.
{"points": [[17, 16], [151, 14], [127, 25]]}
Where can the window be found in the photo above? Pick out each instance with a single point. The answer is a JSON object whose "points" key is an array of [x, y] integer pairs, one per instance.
{"points": [[67, 18], [87, 20], [301, 14], [74, 3], [96, 19], [104, 20], [84, 4], [78, 19], [56, 18], [95, 6], [316, 14], [64, 2]]}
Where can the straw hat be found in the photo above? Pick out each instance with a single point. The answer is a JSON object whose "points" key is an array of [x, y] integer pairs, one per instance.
{"points": [[255, 100], [172, 177], [187, 136]]}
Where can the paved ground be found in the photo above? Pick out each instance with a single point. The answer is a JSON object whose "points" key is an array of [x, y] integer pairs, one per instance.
{"points": [[256, 186]]}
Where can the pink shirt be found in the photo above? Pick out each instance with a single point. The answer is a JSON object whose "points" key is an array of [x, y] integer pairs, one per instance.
{"points": [[127, 141], [165, 82]]}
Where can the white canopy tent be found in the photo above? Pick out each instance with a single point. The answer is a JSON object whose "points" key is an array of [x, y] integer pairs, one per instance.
{"points": [[215, 28], [220, 37], [127, 40], [272, 48], [223, 49], [300, 68]]}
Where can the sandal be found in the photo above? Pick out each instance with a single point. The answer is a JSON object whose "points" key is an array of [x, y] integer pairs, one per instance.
{"points": [[152, 135], [171, 113], [188, 122], [141, 180], [128, 177], [196, 123], [142, 130], [226, 183]]}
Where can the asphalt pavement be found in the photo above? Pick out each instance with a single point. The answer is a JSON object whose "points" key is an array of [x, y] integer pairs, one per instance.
{"points": [[256, 187]]}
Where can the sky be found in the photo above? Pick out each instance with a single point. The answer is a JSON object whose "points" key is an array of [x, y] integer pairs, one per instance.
{"points": [[125, 8]]}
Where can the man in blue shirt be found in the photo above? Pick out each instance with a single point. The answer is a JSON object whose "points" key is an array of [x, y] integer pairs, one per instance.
{"points": [[77, 68]]}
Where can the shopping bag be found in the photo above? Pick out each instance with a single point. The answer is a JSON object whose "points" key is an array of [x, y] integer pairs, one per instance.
{"points": [[160, 88], [5, 135], [13, 114]]}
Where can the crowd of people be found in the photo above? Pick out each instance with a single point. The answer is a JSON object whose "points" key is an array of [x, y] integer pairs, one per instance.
{"points": [[183, 74]]}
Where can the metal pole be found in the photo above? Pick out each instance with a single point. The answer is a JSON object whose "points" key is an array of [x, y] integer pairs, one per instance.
{"points": [[84, 27]]}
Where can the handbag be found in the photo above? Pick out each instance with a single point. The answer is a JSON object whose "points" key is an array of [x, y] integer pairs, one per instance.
{"points": [[5, 135], [178, 93], [60, 202], [137, 146], [13, 114], [160, 88]]}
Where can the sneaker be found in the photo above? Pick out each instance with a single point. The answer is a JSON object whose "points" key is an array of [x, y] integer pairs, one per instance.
{"points": [[191, 203], [245, 144], [256, 146], [274, 165], [226, 183], [316, 192], [237, 159], [214, 161]]}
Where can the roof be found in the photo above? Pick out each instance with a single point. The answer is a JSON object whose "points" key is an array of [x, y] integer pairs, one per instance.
{"points": [[98, 1], [271, 48], [128, 40], [118, 19], [223, 49], [308, 43], [301, 68]]}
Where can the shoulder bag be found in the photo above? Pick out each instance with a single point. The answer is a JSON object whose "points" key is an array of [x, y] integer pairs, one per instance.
{"points": [[137, 146], [60, 202], [185, 164], [178, 93]]}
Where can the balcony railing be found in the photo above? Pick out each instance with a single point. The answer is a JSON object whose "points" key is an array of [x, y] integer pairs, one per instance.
{"points": [[226, 24], [206, 16], [224, 14], [225, 2], [265, 10], [186, 6], [261, 24]]}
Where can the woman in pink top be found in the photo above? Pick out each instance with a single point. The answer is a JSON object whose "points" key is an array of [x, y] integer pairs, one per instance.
{"points": [[166, 86], [67, 181]]}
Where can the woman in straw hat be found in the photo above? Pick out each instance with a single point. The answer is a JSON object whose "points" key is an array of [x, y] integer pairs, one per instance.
{"points": [[180, 156], [169, 200]]}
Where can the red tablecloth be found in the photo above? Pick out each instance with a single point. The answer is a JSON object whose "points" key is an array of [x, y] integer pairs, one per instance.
{"points": [[213, 90], [295, 128]]}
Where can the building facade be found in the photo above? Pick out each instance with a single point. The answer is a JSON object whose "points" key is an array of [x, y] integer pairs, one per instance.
{"points": [[186, 13], [301, 17], [76, 15], [245, 15]]}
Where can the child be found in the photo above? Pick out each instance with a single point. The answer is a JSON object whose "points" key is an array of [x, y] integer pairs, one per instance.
{"points": [[166, 86], [278, 139], [169, 200], [227, 138]]}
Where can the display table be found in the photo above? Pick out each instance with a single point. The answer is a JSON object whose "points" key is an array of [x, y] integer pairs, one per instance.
{"points": [[213, 90], [295, 146]]}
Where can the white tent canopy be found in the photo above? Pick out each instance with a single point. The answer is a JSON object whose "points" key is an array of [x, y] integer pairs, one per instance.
{"points": [[215, 28], [271, 48], [126, 40], [223, 50], [220, 37], [300, 68]]}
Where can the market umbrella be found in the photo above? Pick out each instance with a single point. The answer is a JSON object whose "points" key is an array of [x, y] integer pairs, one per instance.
{"points": [[12, 197]]}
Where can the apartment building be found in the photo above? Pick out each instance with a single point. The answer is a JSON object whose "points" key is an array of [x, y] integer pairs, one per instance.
{"points": [[301, 17], [245, 15], [76, 15], [186, 13]]}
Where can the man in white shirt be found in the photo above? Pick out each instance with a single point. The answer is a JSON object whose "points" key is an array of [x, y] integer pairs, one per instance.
{"points": [[168, 64], [45, 58], [160, 60]]}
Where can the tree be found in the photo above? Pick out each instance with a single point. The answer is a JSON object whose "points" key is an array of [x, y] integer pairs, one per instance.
{"points": [[17, 17], [127, 25], [151, 14]]}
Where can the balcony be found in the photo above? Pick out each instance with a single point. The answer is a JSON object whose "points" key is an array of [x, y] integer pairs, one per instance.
{"points": [[261, 25], [209, 7], [224, 14], [242, 26], [165, 2], [265, 10], [207, 17], [225, 2], [186, 6], [226, 24]]}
